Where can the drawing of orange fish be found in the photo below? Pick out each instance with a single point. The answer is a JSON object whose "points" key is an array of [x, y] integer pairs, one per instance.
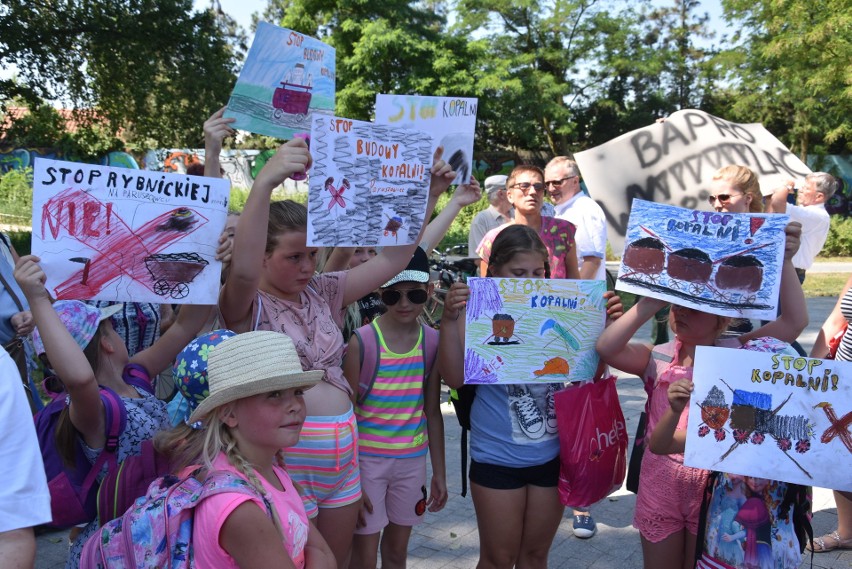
{"points": [[553, 366]]}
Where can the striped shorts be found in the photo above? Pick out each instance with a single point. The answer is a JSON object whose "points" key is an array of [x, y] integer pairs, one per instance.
{"points": [[325, 462]]}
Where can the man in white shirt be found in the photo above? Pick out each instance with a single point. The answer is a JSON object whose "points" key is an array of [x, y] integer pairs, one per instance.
{"points": [[24, 497], [562, 180], [499, 212], [817, 190]]}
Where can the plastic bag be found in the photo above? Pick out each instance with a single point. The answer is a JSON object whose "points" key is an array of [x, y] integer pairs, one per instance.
{"points": [[592, 442]]}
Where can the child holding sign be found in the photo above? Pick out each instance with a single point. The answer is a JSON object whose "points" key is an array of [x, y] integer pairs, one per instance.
{"points": [[272, 286], [514, 468], [668, 521]]}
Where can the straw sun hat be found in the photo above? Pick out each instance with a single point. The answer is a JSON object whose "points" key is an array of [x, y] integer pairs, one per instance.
{"points": [[252, 363]]}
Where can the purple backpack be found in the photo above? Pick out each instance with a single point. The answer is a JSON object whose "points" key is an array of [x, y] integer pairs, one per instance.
{"points": [[73, 489], [157, 531]]}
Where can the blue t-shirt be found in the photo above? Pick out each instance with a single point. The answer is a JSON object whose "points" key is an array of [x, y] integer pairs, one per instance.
{"points": [[514, 425]]}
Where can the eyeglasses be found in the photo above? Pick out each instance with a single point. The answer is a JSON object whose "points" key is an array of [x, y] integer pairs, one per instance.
{"points": [[723, 198], [420, 506], [526, 186], [415, 296], [558, 182]]}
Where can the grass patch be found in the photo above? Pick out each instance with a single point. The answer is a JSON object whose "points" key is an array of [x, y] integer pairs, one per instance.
{"points": [[824, 284], [833, 260]]}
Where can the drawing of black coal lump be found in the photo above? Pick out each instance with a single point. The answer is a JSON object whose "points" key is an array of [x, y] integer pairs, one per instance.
{"points": [[171, 273]]}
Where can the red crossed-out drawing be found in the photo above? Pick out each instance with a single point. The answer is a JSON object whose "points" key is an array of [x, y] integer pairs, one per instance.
{"points": [[118, 249], [336, 193], [839, 427]]}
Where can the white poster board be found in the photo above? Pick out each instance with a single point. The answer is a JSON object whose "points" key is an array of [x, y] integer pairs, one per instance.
{"points": [[724, 263], [673, 162], [369, 183], [125, 235], [450, 120], [772, 416]]}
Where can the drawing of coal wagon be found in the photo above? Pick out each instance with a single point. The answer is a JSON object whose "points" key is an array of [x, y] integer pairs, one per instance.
{"points": [[737, 277], [502, 330], [172, 272], [292, 99]]}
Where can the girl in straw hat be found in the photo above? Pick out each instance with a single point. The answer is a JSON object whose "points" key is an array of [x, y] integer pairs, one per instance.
{"points": [[245, 394], [272, 286]]}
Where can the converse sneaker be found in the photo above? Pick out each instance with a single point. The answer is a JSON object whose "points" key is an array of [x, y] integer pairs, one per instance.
{"points": [[550, 410], [527, 412]]}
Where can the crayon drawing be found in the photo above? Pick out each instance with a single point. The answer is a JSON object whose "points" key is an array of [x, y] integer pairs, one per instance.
{"points": [[450, 120], [369, 183], [127, 235], [286, 78], [771, 415], [532, 330], [724, 263]]}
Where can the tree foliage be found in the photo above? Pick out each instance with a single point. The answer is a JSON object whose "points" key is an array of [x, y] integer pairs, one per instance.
{"points": [[153, 69], [790, 63]]}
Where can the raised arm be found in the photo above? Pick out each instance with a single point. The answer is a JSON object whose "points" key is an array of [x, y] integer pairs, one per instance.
{"points": [[666, 439], [794, 311], [614, 345], [369, 276], [451, 339], [66, 357], [832, 325], [162, 353], [237, 295], [216, 128], [777, 202], [463, 196]]}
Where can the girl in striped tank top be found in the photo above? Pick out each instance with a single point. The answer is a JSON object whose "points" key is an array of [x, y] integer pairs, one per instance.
{"points": [[397, 401]]}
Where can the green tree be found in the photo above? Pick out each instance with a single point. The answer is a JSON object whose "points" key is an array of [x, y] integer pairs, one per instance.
{"points": [[790, 65], [393, 46], [153, 69]]}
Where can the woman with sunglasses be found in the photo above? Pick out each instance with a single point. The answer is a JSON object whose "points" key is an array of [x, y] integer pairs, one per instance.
{"points": [[735, 189], [397, 401], [525, 188]]}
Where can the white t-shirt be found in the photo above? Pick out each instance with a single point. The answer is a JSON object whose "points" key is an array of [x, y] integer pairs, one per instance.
{"points": [[24, 497], [590, 238], [815, 222]]}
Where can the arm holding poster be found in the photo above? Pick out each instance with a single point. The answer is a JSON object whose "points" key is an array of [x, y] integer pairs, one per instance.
{"points": [[614, 345], [216, 128], [833, 325], [666, 439], [794, 311], [451, 339], [464, 195], [365, 278]]}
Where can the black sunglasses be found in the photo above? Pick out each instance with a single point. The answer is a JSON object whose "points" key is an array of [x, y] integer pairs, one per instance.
{"points": [[415, 296], [420, 507]]}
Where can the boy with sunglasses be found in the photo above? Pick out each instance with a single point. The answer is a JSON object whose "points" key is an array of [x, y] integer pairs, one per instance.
{"points": [[396, 393]]}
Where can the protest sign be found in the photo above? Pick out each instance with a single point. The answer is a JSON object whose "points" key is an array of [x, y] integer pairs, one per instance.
{"points": [[770, 415], [532, 330], [369, 183], [287, 77], [450, 120], [127, 235], [674, 161], [724, 263]]}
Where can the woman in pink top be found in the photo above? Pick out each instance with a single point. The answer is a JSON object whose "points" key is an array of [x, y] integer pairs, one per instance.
{"points": [[525, 190], [272, 286]]}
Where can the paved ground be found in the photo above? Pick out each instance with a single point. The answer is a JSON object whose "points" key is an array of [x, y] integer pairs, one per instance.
{"points": [[449, 538]]}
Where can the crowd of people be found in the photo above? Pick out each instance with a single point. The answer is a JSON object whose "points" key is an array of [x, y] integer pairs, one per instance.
{"points": [[308, 398]]}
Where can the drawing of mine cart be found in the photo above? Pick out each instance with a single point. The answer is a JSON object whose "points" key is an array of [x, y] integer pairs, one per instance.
{"points": [[292, 99], [737, 278], [502, 330], [173, 272]]}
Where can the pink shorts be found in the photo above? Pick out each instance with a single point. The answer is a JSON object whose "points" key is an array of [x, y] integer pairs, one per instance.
{"points": [[669, 497], [394, 486]]}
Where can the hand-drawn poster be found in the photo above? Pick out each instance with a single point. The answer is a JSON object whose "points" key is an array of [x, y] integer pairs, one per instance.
{"points": [[532, 330], [369, 183], [775, 416], [674, 161], [127, 235], [287, 77], [450, 120], [724, 263]]}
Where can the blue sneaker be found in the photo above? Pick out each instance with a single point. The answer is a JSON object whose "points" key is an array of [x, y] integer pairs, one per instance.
{"points": [[584, 527]]}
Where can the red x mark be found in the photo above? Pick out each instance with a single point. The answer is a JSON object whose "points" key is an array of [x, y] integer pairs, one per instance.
{"points": [[336, 193], [839, 428], [119, 249]]}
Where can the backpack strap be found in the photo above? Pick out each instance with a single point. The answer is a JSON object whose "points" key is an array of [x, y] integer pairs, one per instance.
{"points": [[137, 376], [368, 355], [115, 418], [429, 346]]}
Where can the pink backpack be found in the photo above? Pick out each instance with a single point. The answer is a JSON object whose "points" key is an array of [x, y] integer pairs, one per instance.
{"points": [[157, 531]]}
